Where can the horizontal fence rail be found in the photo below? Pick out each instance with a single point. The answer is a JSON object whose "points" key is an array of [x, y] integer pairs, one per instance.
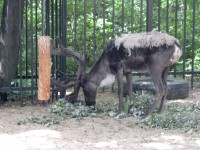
{"points": [[87, 26]]}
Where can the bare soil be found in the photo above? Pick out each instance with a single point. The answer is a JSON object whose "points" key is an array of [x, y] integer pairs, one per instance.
{"points": [[89, 133]]}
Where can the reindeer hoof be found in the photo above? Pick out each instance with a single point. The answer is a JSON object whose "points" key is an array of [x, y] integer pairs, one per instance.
{"points": [[120, 115], [160, 110], [145, 117], [90, 103]]}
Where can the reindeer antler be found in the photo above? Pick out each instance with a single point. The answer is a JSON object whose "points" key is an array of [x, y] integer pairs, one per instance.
{"points": [[68, 52]]}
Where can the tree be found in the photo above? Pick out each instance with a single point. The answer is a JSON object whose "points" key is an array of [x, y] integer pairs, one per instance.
{"points": [[9, 40]]}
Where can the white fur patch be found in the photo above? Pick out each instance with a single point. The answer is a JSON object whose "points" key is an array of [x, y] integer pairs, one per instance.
{"points": [[1, 69], [145, 39], [108, 80], [176, 55]]}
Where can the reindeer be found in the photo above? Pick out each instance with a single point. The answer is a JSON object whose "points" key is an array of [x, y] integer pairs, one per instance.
{"points": [[152, 52]]}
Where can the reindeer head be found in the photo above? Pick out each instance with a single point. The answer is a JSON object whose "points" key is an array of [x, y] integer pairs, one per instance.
{"points": [[89, 90]]}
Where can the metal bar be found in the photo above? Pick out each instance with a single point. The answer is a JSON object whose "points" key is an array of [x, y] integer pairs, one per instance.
{"points": [[176, 21], [52, 19], [171, 73], [103, 5], [36, 39], [52, 34], [63, 30], [122, 16], [113, 18], [85, 38], [56, 33], [184, 38], [104, 23], [43, 14], [167, 17], [47, 6], [159, 18], [21, 89], [63, 35], [26, 77], [60, 35], [193, 41], [60, 18], [9, 54], [94, 31], [26, 41], [176, 17], [56, 17], [149, 15], [20, 52], [31, 46], [75, 31], [132, 16], [113, 26], [141, 14]]}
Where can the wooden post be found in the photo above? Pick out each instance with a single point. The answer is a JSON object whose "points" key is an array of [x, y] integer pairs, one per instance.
{"points": [[44, 70]]}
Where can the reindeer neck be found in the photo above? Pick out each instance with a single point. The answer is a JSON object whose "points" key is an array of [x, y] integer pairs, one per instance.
{"points": [[100, 70]]}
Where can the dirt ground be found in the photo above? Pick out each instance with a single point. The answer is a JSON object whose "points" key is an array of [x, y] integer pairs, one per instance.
{"points": [[90, 133]]}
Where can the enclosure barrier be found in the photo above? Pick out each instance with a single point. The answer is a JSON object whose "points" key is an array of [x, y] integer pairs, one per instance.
{"points": [[88, 25]]}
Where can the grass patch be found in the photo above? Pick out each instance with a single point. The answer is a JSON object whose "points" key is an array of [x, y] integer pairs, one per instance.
{"points": [[44, 121], [176, 116], [65, 109]]}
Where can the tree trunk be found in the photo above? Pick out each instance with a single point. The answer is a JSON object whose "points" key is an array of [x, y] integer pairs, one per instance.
{"points": [[9, 40]]}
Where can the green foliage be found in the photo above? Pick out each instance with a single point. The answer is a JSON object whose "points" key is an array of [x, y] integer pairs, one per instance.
{"points": [[65, 109], [1, 9], [142, 101], [177, 117], [99, 27], [174, 116], [46, 122]]}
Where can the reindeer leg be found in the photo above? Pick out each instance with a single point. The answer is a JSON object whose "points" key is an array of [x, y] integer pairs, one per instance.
{"points": [[129, 79], [120, 93], [158, 84], [164, 80]]}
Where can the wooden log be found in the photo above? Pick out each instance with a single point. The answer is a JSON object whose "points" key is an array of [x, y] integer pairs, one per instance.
{"points": [[44, 69]]}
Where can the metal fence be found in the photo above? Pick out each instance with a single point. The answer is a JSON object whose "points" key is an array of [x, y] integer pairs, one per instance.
{"points": [[87, 25]]}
